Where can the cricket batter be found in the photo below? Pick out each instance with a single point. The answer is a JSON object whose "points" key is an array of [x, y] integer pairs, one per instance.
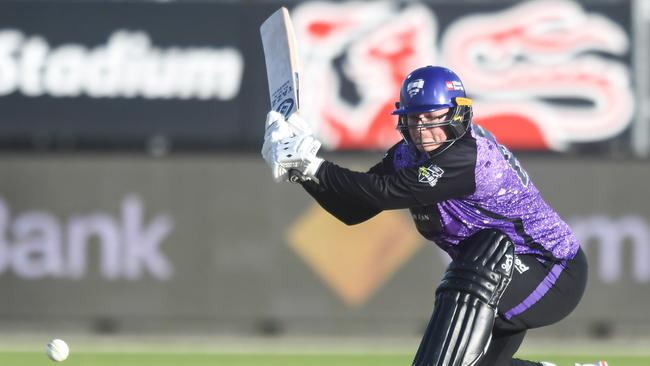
{"points": [[515, 266]]}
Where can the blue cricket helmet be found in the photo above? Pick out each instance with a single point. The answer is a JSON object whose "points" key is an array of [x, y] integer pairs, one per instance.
{"points": [[428, 89], [431, 88]]}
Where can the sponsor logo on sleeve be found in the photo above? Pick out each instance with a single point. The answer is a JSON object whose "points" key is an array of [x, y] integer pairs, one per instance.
{"points": [[430, 174]]}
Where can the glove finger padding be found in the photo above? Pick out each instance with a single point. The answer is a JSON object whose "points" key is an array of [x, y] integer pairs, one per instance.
{"points": [[280, 174], [289, 145], [276, 129], [272, 117], [299, 125], [295, 149], [299, 153]]}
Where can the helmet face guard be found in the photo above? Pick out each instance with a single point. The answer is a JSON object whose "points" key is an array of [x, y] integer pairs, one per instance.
{"points": [[456, 124], [429, 89]]}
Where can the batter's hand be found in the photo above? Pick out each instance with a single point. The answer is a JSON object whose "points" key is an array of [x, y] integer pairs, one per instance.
{"points": [[299, 126], [298, 154], [276, 129]]}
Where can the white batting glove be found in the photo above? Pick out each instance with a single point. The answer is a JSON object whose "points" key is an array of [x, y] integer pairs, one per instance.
{"points": [[298, 154], [276, 129], [298, 125]]}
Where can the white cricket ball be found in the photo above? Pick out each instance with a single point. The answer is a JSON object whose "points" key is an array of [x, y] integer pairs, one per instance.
{"points": [[57, 350]]}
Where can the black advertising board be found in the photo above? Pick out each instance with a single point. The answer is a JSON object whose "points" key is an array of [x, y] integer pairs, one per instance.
{"points": [[185, 76], [124, 75]]}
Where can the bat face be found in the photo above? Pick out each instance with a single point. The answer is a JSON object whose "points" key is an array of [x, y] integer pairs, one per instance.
{"points": [[282, 69], [280, 56], [284, 98]]}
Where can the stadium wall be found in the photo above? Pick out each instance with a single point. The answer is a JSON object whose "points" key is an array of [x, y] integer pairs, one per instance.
{"points": [[210, 244]]}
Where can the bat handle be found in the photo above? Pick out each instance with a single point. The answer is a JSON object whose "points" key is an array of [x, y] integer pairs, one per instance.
{"points": [[294, 176]]}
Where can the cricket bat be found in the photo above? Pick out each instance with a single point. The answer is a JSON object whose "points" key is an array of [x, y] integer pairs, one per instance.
{"points": [[282, 67], [281, 57]]}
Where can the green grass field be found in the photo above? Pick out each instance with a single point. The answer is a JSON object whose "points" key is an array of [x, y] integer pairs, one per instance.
{"points": [[12, 358]]}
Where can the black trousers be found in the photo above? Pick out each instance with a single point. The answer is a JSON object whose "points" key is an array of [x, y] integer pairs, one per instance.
{"points": [[540, 293]]}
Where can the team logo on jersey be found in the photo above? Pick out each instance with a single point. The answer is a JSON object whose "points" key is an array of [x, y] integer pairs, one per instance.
{"points": [[414, 87], [430, 174]]}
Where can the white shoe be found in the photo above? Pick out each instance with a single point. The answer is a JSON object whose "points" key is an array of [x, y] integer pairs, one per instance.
{"points": [[547, 364], [599, 363]]}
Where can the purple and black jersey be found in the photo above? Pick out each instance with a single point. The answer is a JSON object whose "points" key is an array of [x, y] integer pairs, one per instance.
{"points": [[475, 184]]}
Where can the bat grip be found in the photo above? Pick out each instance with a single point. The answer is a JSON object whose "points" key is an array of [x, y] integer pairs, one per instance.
{"points": [[294, 176]]}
